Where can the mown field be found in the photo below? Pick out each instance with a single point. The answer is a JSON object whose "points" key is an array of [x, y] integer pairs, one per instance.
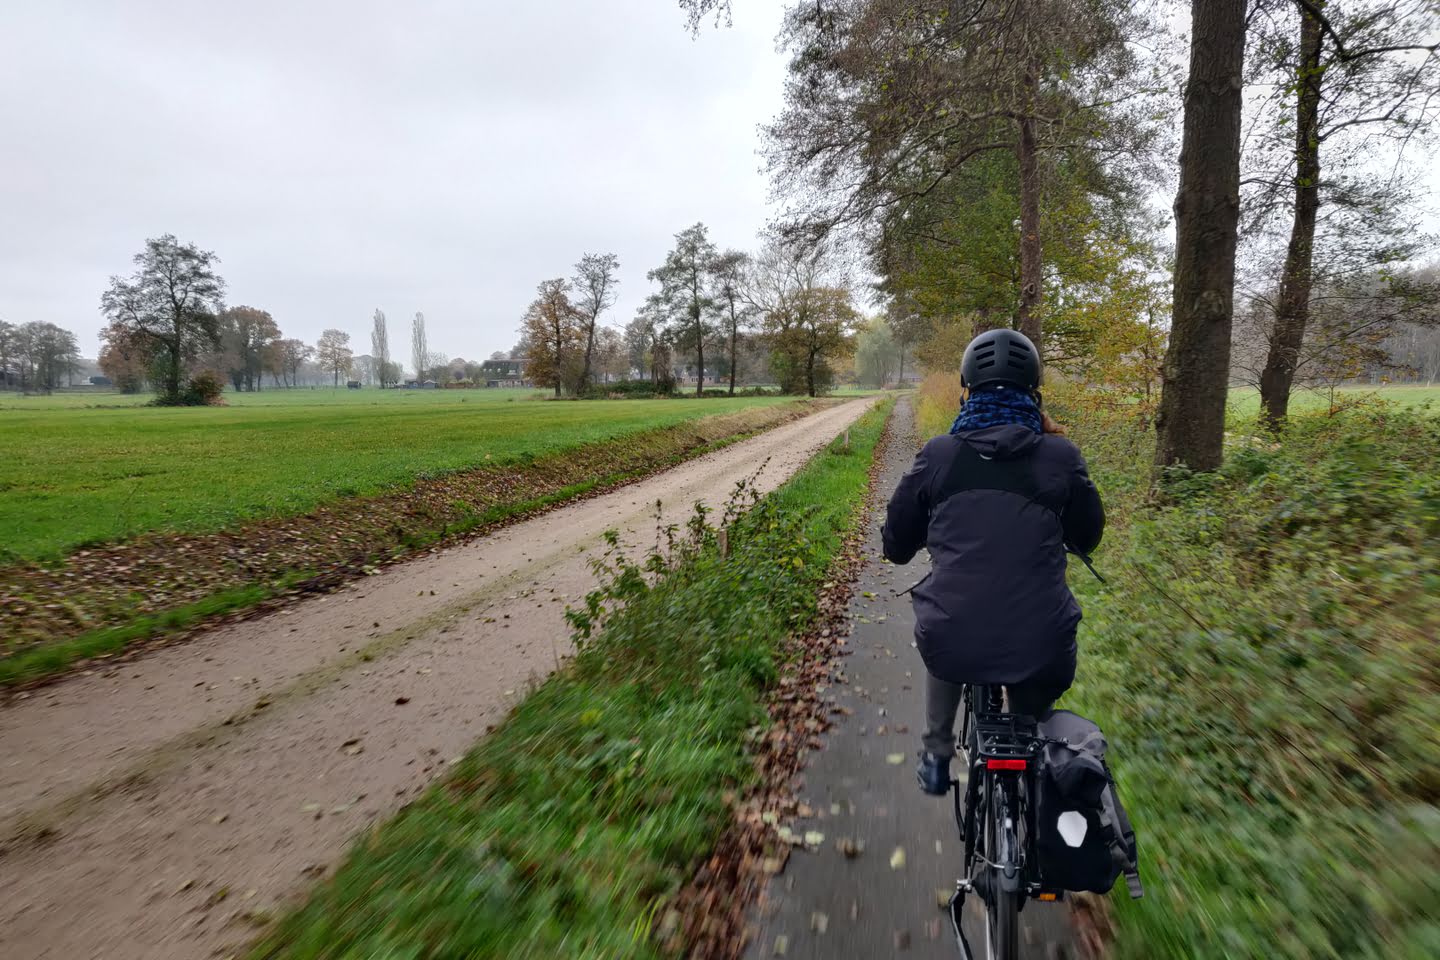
{"points": [[82, 469]]}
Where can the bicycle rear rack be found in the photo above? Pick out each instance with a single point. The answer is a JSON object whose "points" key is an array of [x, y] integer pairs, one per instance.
{"points": [[1007, 736]]}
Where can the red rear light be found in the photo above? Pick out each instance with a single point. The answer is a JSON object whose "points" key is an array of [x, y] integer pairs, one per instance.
{"points": [[1005, 764]]}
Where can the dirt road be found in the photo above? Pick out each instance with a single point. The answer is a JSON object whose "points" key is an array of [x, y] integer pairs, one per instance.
{"points": [[861, 786], [161, 808]]}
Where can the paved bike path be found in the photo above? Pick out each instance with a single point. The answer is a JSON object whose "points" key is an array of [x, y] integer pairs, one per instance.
{"points": [[882, 901]]}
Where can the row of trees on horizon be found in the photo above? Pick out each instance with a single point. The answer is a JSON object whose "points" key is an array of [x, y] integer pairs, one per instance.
{"points": [[790, 303], [784, 315]]}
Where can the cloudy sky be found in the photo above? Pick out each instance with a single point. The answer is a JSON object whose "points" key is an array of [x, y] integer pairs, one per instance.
{"points": [[343, 155], [435, 155]]}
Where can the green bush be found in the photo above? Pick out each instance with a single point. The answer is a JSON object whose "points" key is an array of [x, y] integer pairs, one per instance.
{"points": [[628, 390], [1265, 663], [204, 389]]}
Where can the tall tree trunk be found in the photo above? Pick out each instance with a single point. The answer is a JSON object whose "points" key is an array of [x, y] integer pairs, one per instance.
{"points": [[734, 344], [699, 353], [1190, 425], [559, 357], [589, 352], [1028, 316], [172, 375], [1293, 310]]}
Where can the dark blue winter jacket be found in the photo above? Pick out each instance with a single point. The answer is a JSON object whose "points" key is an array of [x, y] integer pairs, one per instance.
{"points": [[996, 508]]}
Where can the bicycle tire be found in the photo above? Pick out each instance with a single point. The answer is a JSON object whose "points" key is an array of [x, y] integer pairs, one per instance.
{"points": [[1002, 909]]}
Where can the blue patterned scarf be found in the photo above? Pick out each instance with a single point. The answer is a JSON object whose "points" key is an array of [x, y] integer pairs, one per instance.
{"points": [[997, 406]]}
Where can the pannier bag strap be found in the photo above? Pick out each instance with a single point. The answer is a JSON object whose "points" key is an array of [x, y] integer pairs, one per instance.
{"points": [[1132, 881]]}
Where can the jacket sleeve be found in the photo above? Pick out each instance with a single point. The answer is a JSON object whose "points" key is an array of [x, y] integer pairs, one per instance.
{"points": [[1084, 517], [907, 518]]}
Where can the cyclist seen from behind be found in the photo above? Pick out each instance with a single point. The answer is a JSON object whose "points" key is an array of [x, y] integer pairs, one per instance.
{"points": [[996, 502]]}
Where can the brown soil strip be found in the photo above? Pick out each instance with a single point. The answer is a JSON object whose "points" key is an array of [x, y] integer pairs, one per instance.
{"points": [[162, 808], [113, 585]]}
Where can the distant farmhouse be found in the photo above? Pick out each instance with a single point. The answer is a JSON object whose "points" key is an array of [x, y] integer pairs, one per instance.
{"points": [[505, 373]]}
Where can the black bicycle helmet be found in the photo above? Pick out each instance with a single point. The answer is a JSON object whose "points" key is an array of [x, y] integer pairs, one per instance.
{"points": [[1000, 357]]}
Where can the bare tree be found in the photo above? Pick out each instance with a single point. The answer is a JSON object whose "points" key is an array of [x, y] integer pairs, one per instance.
{"points": [[610, 356], [1190, 424], [168, 307], [594, 284], [1355, 80], [292, 354]]}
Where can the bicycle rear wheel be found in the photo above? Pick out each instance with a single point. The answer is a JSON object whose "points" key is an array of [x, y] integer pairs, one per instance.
{"points": [[1002, 908]]}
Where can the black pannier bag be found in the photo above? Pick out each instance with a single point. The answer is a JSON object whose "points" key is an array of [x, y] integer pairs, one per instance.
{"points": [[1084, 838]]}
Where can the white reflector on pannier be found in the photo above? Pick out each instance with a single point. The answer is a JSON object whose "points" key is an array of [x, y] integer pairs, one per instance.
{"points": [[1072, 827]]}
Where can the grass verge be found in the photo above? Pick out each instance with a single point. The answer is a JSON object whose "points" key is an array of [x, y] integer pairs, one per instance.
{"points": [[564, 831], [37, 662]]}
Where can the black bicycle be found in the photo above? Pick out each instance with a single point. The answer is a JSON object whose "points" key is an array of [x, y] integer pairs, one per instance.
{"points": [[996, 820]]}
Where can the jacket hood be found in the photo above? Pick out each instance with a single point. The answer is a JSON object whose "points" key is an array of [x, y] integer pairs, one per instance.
{"points": [[1005, 442]]}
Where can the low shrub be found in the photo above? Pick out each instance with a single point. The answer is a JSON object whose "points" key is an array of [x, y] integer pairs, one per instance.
{"points": [[204, 389], [627, 390]]}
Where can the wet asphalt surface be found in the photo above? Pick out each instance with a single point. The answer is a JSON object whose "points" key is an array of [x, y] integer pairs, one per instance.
{"points": [[886, 900]]}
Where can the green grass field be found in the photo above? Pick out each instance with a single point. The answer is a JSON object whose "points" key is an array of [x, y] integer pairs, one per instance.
{"points": [[1245, 401], [81, 468]]}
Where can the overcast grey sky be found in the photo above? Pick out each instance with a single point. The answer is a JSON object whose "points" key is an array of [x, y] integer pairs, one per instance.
{"points": [[435, 155]]}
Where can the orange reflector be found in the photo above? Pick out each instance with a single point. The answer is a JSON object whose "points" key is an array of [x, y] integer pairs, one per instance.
{"points": [[1004, 764], [1046, 897]]}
